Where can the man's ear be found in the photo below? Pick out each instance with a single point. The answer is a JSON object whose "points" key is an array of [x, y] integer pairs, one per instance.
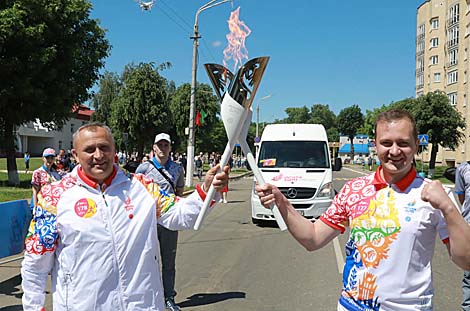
{"points": [[74, 154]]}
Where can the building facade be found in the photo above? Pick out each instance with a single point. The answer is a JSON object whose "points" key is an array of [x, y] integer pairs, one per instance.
{"points": [[442, 62], [34, 137]]}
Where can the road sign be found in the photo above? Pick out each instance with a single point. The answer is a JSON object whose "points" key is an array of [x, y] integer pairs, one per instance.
{"points": [[257, 139], [423, 139]]}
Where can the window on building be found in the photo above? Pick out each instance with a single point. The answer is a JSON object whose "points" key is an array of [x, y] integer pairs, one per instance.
{"points": [[420, 64], [467, 30], [465, 54], [435, 23], [452, 77], [60, 144], [420, 81], [437, 77], [421, 29], [465, 76], [454, 14], [453, 57], [434, 60], [465, 100], [452, 98], [434, 42], [453, 35]]}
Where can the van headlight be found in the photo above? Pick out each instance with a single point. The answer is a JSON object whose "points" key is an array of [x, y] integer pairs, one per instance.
{"points": [[326, 191]]}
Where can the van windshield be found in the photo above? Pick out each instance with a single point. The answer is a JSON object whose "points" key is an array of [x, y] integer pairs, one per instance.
{"points": [[306, 154]]}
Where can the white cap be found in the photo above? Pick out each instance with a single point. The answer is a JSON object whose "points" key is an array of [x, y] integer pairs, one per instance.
{"points": [[162, 136]]}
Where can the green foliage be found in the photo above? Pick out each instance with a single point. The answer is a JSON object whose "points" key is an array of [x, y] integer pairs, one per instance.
{"points": [[109, 87], [179, 107], [50, 55], [436, 117], [141, 108], [350, 120], [297, 115]]}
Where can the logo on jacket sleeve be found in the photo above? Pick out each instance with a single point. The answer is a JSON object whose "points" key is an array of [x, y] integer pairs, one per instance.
{"points": [[85, 208]]}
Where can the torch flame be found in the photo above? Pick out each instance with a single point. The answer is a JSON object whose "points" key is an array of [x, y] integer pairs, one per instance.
{"points": [[236, 49]]}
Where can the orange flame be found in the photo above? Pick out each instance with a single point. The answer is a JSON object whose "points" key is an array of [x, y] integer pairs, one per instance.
{"points": [[236, 49]]}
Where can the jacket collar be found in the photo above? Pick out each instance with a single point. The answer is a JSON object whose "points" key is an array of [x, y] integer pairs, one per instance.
{"points": [[89, 181], [402, 184]]}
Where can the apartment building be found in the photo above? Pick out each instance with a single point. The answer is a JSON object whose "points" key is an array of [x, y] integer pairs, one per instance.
{"points": [[442, 62]]}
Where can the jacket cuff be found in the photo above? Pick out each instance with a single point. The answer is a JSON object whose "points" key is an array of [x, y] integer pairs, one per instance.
{"points": [[203, 194]]}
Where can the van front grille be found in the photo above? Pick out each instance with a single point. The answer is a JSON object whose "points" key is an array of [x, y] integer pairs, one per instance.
{"points": [[298, 192]]}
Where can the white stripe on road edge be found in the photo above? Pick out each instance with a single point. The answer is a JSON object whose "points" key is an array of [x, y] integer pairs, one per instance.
{"points": [[339, 255]]}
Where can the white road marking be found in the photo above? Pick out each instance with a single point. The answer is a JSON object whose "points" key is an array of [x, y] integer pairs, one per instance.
{"points": [[339, 255]]}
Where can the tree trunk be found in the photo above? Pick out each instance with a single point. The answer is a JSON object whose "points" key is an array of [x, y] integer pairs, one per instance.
{"points": [[432, 161], [13, 179]]}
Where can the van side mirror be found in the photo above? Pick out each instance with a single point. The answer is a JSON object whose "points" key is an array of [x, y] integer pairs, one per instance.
{"points": [[338, 164]]}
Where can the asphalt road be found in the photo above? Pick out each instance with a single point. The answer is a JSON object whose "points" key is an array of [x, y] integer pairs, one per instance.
{"points": [[232, 265]]}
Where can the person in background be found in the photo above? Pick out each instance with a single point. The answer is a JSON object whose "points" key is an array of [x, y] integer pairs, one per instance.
{"points": [[95, 232], [369, 162], [393, 216], [224, 192], [199, 166], [44, 175], [169, 176], [462, 189], [26, 158]]}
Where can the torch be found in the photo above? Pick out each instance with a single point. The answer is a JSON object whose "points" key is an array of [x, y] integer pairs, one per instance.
{"points": [[236, 94]]}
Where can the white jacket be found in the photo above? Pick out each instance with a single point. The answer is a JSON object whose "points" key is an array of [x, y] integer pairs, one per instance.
{"points": [[101, 245]]}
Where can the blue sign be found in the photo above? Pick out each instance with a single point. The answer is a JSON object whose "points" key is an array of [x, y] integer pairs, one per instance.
{"points": [[14, 224], [257, 139], [423, 139]]}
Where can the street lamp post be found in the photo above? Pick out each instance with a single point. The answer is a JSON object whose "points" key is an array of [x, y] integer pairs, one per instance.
{"points": [[192, 107], [257, 112]]}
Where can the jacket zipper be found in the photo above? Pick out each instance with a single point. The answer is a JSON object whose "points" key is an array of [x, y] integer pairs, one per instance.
{"points": [[114, 245], [67, 281]]}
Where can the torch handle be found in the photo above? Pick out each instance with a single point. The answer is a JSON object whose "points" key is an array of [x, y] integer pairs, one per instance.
{"points": [[211, 193], [259, 178]]}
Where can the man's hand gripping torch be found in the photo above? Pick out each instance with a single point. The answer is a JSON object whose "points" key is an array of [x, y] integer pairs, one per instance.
{"points": [[236, 115]]}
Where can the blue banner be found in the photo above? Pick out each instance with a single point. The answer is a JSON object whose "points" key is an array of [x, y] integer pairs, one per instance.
{"points": [[14, 223]]}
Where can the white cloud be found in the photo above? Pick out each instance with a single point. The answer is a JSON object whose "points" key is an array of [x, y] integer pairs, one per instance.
{"points": [[216, 43]]}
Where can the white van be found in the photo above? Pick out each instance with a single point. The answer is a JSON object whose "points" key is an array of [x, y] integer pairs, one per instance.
{"points": [[296, 158]]}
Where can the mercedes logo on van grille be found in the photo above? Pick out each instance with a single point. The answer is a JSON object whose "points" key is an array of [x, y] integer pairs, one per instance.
{"points": [[291, 193]]}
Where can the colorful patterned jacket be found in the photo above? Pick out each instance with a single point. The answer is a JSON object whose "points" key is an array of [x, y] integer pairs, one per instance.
{"points": [[100, 245]]}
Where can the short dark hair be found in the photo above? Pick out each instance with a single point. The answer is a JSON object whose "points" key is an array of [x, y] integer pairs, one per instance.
{"points": [[393, 115]]}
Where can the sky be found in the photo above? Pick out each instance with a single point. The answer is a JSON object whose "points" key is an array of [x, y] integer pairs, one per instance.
{"points": [[335, 53]]}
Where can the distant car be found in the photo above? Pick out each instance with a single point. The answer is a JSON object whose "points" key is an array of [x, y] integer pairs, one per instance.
{"points": [[359, 161]]}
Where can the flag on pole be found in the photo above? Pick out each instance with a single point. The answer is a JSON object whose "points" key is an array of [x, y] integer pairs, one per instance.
{"points": [[198, 118], [203, 117]]}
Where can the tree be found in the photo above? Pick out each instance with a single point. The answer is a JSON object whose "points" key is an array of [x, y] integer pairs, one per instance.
{"points": [[205, 101], [321, 114], [436, 117], [109, 88], [350, 119], [50, 54], [296, 115], [141, 109]]}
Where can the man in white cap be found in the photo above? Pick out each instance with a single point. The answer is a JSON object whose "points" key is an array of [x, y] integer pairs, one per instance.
{"points": [[169, 175]]}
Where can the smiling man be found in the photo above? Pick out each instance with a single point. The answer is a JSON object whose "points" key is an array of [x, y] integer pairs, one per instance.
{"points": [[393, 216], [95, 232]]}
